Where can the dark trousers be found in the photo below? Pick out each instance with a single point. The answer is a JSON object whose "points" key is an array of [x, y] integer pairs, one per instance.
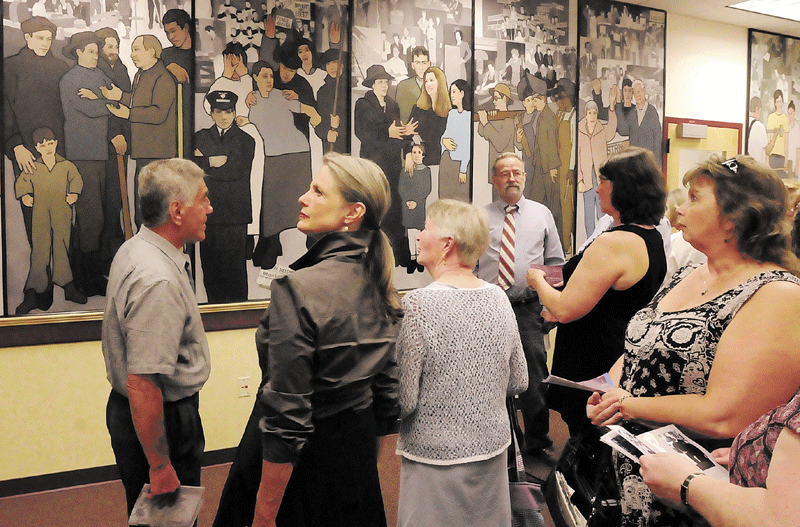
{"points": [[184, 436], [223, 255], [334, 483], [533, 401]]}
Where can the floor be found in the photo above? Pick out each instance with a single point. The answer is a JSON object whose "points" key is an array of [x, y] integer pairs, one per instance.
{"points": [[103, 504]]}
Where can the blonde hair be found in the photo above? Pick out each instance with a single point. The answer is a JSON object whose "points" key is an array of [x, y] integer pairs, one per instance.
{"points": [[466, 223], [363, 181], [675, 199], [442, 105]]}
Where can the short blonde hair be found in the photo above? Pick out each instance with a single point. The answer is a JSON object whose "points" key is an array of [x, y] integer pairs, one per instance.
{"points": [[466, 223], [675, 199]]}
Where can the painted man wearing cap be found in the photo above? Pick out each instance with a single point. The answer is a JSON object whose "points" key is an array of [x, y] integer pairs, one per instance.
{"points": [[334, 128], [32, 98], [86, 133], [537, 137], [499, 132], [225, 153], [151, 108]]}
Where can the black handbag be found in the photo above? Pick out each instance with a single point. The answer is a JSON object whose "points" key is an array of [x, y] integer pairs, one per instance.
{"points": [[585, 467], [527, 499]]}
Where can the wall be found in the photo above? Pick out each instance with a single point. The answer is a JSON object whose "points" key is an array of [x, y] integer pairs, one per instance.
{"points": [[53, 397]]}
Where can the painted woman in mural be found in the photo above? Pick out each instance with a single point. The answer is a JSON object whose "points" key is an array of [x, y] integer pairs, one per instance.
{"points": [[455, 145], [287, 161], [430, 112]]}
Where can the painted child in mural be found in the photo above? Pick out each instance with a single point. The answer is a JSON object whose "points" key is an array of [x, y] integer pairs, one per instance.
{"points": [[225, 153], [454, 164], [86, 118], [49, 191], [384, 139], [287, 160], [32, 99], [332, 105], [414, 190], [537, 138]]}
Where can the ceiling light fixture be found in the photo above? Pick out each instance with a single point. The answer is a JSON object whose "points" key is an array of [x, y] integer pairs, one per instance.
{"points": [[786, 9]]}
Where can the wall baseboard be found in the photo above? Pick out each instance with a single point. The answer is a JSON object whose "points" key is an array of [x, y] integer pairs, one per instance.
{"points": [[87, 476]]}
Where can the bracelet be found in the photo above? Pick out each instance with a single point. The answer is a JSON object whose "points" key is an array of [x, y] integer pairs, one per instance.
{"points": [[685, 487], [619, 401]]}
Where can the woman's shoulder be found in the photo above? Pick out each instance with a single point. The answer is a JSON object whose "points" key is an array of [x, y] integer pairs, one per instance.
{"points": [[618, 243]]}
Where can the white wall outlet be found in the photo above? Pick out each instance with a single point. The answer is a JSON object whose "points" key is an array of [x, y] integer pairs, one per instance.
{"points": [[244, 386]]}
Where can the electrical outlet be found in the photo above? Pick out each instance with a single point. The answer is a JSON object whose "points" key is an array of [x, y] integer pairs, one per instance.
{"points": [[244, 386]]}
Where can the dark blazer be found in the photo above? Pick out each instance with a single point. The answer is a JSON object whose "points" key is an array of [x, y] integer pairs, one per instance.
{"points": [[229, 184], [371, 125]]}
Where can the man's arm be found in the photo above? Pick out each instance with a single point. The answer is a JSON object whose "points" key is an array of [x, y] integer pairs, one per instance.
{"points": [[147, 411]]}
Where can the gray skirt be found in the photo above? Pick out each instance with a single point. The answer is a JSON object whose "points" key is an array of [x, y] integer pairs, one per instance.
{"points": [[467, 494]]}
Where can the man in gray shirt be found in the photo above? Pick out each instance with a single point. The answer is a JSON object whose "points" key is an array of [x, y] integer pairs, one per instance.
{"points": [[154, 345], [536, 242]]}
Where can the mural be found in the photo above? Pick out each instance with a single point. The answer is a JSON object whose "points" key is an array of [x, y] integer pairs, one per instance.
{"points": [[256, 93], [773, 133], [621, 92]]}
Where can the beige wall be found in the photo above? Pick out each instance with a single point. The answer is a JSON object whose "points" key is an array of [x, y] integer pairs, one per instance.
{"points": [[53, 397], [53, 403]]}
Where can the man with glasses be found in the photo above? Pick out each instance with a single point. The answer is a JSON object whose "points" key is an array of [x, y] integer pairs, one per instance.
{"points": [[408, 90]]}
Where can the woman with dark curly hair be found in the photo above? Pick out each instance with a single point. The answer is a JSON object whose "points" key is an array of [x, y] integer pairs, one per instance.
{"points": [[614, 277], [718, 346]]}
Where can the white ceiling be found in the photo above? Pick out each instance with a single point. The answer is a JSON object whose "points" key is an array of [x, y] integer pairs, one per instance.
{"points": [[717, 11]]}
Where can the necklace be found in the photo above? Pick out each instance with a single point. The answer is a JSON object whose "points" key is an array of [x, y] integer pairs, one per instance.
{"points": [[716, 280]]}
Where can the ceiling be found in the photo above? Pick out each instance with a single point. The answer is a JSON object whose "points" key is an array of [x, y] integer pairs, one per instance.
{"points": [[717, 11]]}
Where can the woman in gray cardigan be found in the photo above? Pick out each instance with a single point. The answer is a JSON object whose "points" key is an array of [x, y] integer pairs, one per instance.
{"points": [[460, 356]]}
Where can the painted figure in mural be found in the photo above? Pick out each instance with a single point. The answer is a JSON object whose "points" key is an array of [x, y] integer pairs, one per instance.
{"points": [[537, 138], [86, 134], [758, 141], [383, 139], [500, 130], [414, 190], [643, 127], [151, 108], [235, 78], [30, 86], [307, 52], [225, 153], [536, 242], [409, 89], [456, 148], [464, 53], [567, 128], [119, 136], [430, 114], [396, 66], [778, 127], [49, 191], [179, 60], [793, 141], [588, 63], [293, 85], [332, 103], [287, 160], [514, 68], [625, 106], [593, 139]]}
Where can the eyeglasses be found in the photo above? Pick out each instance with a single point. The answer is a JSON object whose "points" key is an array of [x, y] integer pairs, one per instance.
{"points": [[732, 165]]}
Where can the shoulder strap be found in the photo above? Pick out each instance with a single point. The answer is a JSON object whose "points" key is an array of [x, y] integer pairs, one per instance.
{"points": [[747, 136]]}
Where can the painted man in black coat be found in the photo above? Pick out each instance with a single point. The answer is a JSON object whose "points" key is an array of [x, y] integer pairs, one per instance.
{"points": [[225, 153]]}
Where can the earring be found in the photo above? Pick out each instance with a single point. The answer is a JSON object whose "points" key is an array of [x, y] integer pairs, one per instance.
{"points": [[346, 228]]}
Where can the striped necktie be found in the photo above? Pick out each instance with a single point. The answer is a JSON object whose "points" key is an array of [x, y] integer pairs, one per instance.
{"points": [[505, 273]]}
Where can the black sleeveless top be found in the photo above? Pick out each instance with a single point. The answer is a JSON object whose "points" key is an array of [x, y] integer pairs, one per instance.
{"points": [[589, 346]]}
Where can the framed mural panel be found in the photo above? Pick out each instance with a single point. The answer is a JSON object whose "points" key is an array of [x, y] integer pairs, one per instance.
{"points": [[772, 135], [621, 92]]}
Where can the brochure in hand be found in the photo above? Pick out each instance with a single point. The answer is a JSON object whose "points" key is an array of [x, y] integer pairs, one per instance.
{"points": [[182, 512], [553, 274], [601, 384], [665, 439]]}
